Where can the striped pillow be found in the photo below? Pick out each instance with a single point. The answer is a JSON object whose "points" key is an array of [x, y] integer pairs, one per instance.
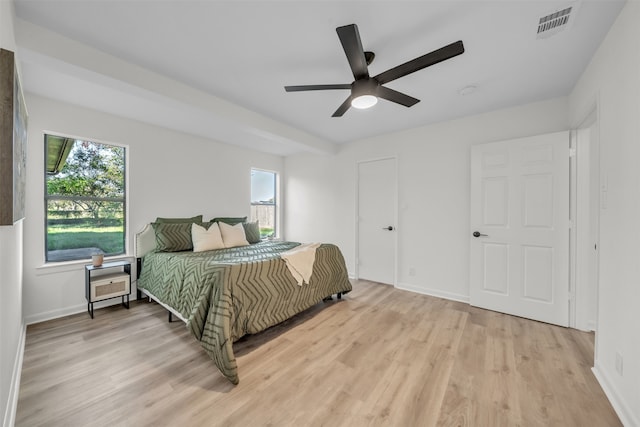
{"points": [[231, 220], [197, 218], [173, 237]]}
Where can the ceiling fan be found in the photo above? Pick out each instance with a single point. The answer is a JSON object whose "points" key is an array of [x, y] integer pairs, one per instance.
{"points": [[366, 90]]}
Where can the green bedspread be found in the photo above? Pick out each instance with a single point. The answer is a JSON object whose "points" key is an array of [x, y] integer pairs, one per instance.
{"points": [[227, 293]]}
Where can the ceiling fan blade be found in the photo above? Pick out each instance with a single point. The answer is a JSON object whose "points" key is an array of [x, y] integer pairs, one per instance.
{"points": [[431, 58], [350, 39], [343, 108], [316, 87], [395, 96]]}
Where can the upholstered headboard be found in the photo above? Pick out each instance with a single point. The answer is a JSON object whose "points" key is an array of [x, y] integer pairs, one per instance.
{"points": [[145, 241]]}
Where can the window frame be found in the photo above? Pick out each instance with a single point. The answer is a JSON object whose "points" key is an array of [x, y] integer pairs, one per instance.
{"points": [[276, 199], [125, 199]]}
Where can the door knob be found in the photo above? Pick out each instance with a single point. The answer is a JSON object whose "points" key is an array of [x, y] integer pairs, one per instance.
{"points": [[478, 234], [390, 228]]}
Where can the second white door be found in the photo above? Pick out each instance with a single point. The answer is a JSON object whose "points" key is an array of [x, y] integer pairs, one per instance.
{"points": [[520, 219], [376, 220]]}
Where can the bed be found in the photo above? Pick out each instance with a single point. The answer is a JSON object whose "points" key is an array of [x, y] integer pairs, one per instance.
{"points": [[224, 294]]}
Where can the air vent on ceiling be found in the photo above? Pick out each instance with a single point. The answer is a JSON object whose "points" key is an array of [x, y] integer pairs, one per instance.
{"points": [[554, 22]]}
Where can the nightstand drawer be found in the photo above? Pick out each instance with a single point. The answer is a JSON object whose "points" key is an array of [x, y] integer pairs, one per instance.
{"points": [[109, 286]]}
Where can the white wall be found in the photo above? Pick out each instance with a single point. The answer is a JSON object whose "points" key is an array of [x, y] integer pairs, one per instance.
{"points": [[613, 81], [11, 319], [310, 191], [433, 192], [170, 174]]}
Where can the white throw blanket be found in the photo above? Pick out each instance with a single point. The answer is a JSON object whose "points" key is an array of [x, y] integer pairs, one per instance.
{"points": [[300, 261]]}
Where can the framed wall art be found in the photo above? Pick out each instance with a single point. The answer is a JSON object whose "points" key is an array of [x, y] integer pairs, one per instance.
{"points": [[13, 142]]}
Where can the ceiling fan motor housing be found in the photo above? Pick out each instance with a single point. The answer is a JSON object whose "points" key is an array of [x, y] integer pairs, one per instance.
{"points": [[364, 87]]}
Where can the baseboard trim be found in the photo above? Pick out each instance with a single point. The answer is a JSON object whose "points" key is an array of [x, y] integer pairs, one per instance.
{"points": [[433, 292], [623, 410], [68, 311], [9, 418]]}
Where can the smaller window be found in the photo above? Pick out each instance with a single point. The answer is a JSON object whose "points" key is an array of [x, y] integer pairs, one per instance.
{"points": [[264, 201]]}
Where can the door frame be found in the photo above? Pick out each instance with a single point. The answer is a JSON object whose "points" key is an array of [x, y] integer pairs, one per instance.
{"points": [[395, 216], [581, 175]]}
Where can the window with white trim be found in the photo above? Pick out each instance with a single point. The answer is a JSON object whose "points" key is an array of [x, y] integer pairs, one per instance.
{"points": [[85, 199], [264, 201]]}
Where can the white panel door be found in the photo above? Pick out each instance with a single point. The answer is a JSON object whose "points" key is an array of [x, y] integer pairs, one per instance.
{"points": [[520, 227], [376, 220]]}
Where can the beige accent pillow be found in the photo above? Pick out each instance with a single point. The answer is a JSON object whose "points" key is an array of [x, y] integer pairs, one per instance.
{"points": [[206, 240], [232, 235]]}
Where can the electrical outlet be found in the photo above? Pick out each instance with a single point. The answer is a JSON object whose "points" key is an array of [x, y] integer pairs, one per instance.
{"points": [[619, 363], [412, 271]]}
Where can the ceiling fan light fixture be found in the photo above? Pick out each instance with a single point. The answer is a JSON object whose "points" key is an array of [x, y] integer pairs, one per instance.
{"points": [[365, 90], [364, 101]]}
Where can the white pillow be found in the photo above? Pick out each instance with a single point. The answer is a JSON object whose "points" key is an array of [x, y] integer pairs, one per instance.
{"points": [[233, 235], [206, 240]]}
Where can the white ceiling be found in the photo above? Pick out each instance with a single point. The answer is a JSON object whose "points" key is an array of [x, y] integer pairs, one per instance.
{"points": [[238, 55]]}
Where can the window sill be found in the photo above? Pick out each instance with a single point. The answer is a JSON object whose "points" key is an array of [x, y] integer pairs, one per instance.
{"points": [[64, 266]]}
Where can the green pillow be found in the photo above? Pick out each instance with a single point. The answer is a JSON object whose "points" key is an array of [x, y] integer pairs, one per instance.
{"points": [[252, 231], [173, 237], [230, 220], [197, 218]]}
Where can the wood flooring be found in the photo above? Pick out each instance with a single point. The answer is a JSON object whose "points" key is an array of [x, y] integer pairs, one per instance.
{"points": [[380, 357]]}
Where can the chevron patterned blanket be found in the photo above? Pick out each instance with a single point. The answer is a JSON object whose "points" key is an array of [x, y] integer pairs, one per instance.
{"points": [[225, 294]]}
